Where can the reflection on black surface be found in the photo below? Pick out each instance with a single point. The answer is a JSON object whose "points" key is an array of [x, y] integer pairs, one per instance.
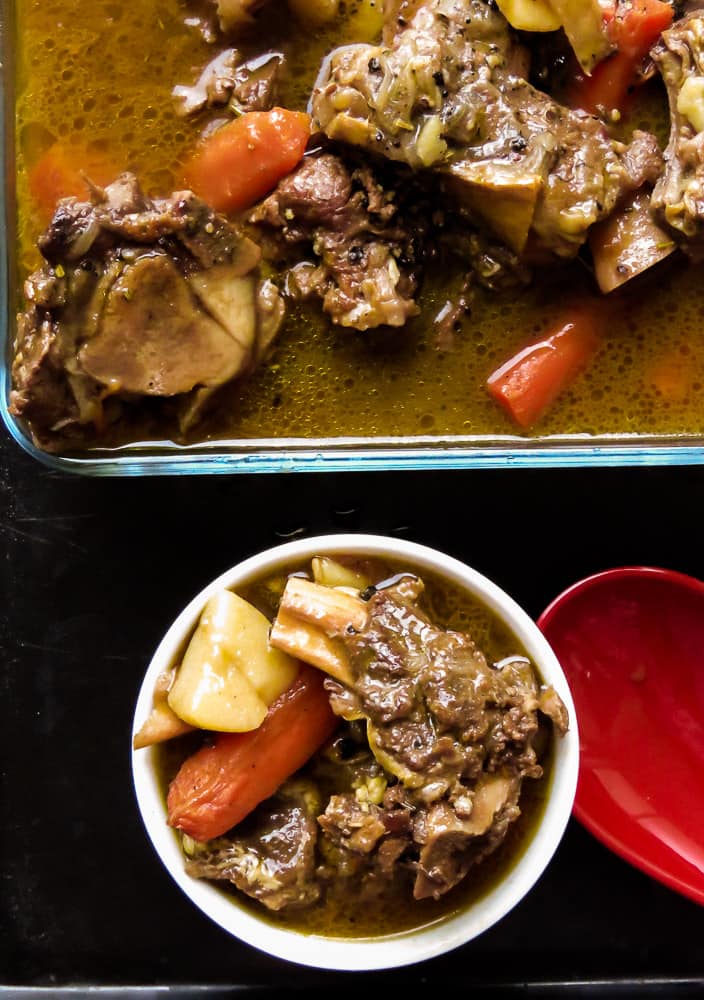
{"points": [[94, 570]]}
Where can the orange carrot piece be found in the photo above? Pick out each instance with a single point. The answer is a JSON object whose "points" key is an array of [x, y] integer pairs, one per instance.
{"points": [[670, 374], [528, 383], [245, 159], [633, 32], [61, 172], [222, 783], [638, 28]]}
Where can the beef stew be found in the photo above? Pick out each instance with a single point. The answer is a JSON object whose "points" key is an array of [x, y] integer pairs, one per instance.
{"points": [[413, 255]]}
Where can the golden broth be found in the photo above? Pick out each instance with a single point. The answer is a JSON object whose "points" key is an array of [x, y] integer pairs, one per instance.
{"points": [[100, 75]]}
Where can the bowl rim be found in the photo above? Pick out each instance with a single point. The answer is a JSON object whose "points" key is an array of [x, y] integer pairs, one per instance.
{"points": [[408, 947]]}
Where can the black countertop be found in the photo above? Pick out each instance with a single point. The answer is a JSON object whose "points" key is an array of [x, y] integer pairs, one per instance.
{"points": [[94, 570]]}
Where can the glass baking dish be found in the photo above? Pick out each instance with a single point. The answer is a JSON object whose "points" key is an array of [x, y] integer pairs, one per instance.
{"points": [[307, 453]]}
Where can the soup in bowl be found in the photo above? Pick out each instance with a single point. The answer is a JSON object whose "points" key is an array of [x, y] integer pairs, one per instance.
{"points": [[354, 752]]}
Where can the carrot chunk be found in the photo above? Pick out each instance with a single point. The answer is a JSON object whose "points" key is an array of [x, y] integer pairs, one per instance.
{"points": [[634, 32], [61, 172], [245, 159], [528, 383], [222, 783], [671, 375]]}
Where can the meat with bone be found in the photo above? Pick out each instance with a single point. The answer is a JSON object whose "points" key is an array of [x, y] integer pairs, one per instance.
{"points": [[454, 734], [678, 197], [139, 298], [446, 91], [368, 240]]}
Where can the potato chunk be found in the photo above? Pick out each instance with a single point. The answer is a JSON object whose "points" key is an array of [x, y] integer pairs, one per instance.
{"points": [[229, 674], [583, 23], [331, 573], [314, 12], [529, 15]]}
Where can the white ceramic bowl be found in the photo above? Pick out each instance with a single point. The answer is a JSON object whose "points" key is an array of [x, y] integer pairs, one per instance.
{"points": [[410, 946]]}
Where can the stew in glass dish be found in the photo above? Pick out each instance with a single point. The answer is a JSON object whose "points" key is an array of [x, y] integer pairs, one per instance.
{"points": [[327, 218]]}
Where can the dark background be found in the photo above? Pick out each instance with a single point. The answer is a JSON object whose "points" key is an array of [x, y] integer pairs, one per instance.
{"points": [[94, 570]]}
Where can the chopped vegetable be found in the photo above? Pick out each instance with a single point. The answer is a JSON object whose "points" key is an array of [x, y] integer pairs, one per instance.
{"points": [[690, 102], [671, 375], [162, 723], [530, 15], [584, 24], [634, 30], [528, 383], [628, 242], [236, 16], [637, 25], [229, 674], [221, 784], [244, 159], [331, 573], [63, 172], [314, 12]]}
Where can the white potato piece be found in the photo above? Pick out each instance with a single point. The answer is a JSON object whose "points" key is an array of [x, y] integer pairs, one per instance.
{"points": [[230, 675], [331, 573], [236, 15], [244, 633], [583, 21], [211, 692], [314, 12], [529, 15], [690, 102]]}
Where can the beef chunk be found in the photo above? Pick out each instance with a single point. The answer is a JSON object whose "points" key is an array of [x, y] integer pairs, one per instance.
{"points": [[445, 92], [274, 860], [364, 266], [438, 711], [451, 843], [139, 298], [456, 732], [678, 197], [352, 825]]}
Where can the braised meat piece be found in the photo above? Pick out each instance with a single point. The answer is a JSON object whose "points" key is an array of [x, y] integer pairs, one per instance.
{"points": [[138, 298], [422, 778], [446, 91], [352, 824], [455, 735], [365, 256], [368, 241], [678, 198], [274, 860]]}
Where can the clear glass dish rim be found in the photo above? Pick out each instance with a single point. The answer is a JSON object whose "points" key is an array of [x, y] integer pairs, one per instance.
{"points": [[302, 455], [359, 455]]}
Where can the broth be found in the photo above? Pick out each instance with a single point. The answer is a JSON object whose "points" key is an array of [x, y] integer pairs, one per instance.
{"points": [[101, 76]]}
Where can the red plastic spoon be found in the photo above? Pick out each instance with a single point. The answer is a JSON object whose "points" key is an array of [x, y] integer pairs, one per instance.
{"points": [[631, 642]]}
